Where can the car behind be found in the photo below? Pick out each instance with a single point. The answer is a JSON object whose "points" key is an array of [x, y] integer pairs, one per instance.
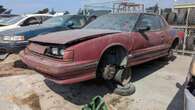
{"points": [[14, 40], [105, 49]]}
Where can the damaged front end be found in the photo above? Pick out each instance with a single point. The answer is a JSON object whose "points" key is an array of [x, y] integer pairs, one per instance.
{"points": [[55, 51], [189, 91]]}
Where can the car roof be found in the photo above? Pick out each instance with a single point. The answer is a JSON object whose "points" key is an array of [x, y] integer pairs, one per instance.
{"points": [[31, 15], [134, 14]]}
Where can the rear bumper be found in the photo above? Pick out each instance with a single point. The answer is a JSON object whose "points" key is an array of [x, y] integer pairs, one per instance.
{"points": [[12, 47], [59, 71]]}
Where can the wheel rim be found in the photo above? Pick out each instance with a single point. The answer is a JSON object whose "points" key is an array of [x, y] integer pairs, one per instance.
{"points": [[109, 72], [123, 75], [170, 53]]}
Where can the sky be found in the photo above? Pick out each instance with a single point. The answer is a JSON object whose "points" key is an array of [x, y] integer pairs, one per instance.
{"points": [[30, 6]]}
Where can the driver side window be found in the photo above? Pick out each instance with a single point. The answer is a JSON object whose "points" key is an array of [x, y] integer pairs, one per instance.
{"points": [[150, 20], [30, 21], [78, 21]]}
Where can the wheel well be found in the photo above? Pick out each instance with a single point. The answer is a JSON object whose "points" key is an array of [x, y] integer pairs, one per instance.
{"points": [[175, 43], [117, 51]]}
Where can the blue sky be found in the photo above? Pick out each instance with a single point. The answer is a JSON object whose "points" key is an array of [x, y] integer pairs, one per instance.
{"points": [[29, 6]]}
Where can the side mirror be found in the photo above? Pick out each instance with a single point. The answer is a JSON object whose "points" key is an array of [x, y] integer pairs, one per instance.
{"points": [[143, 28], [69, 24]]}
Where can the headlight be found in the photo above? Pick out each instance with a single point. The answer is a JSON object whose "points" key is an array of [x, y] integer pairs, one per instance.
{"points": [[13, 38], [61, 53], [55, 51]]}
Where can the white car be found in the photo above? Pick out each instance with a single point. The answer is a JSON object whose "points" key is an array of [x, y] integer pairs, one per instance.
{"points": [[23, 20]]}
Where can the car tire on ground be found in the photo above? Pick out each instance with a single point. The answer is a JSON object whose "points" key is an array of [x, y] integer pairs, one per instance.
{"points": [[190, 43], [3, 56], [126, 90], [192, 17], [181, 17], [165, 15], [172, 18]]}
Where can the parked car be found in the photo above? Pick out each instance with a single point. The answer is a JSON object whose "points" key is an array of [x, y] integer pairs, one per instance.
{"points": [[106, 48], [189, 91], [14, 40], [23, 20]]}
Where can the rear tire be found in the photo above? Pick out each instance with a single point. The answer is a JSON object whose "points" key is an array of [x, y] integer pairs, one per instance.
{"points": [[181, 18], [172, 18], [190, 43], [192, 17]]}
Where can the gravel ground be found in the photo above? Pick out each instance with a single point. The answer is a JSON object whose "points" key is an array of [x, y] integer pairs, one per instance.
{"points": [[159, 86]]}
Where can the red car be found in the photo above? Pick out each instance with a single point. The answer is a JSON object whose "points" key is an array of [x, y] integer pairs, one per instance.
{"points": [[103, 49]]}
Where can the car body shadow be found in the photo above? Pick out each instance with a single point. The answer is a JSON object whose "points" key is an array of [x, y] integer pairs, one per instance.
{"points": [[143, 70], [82, 93]]}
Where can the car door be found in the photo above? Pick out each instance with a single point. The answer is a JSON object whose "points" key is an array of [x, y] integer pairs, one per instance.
{"points": [[148, 44]]}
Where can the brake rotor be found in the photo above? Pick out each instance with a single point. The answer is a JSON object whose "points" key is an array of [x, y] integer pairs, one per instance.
{"points": [[109, 72]]}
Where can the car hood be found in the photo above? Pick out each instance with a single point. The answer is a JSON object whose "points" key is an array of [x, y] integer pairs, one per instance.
{"points": [[64, 37]]}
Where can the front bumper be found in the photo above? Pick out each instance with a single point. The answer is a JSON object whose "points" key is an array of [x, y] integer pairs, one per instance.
{"points": [[12, 47], [59, 71]]}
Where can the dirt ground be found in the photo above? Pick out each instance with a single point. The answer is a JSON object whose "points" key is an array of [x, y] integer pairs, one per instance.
{"points": [[159, 86]]}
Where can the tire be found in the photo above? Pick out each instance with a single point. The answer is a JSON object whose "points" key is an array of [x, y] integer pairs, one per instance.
{"points": [[123, 77], [165, 15], [168, 57], [113, 63], [192, 17], [171, 18], [190, 43], [180, 45], [181, 18], [126, 90]]}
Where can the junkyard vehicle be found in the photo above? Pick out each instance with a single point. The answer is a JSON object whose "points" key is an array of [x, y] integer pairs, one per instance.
{"points": [[14, 40], [23, 20], [103, 49], [189, 91]]}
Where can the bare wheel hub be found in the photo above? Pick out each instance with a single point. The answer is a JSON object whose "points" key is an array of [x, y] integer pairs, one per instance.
{"points": [[123, 76], [109, 72], [170, 53]]}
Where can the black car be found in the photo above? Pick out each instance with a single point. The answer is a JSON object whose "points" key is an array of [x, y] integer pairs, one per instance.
{"points": [[14, 40]]}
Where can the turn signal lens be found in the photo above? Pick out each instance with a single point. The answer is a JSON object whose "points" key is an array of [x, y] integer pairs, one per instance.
{"points": [[68, 55]]}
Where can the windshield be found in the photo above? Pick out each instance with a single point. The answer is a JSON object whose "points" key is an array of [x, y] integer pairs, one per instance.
{"points": [[57, 21], [12, 20], [122, 22]]}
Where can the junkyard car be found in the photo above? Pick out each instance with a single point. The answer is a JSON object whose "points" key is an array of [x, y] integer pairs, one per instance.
{"points": [[103, 49], [14, 40], [189, 91], [23, 20]]}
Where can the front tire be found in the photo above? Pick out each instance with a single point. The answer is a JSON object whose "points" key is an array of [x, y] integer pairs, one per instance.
{"points": [[113, 67]]}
